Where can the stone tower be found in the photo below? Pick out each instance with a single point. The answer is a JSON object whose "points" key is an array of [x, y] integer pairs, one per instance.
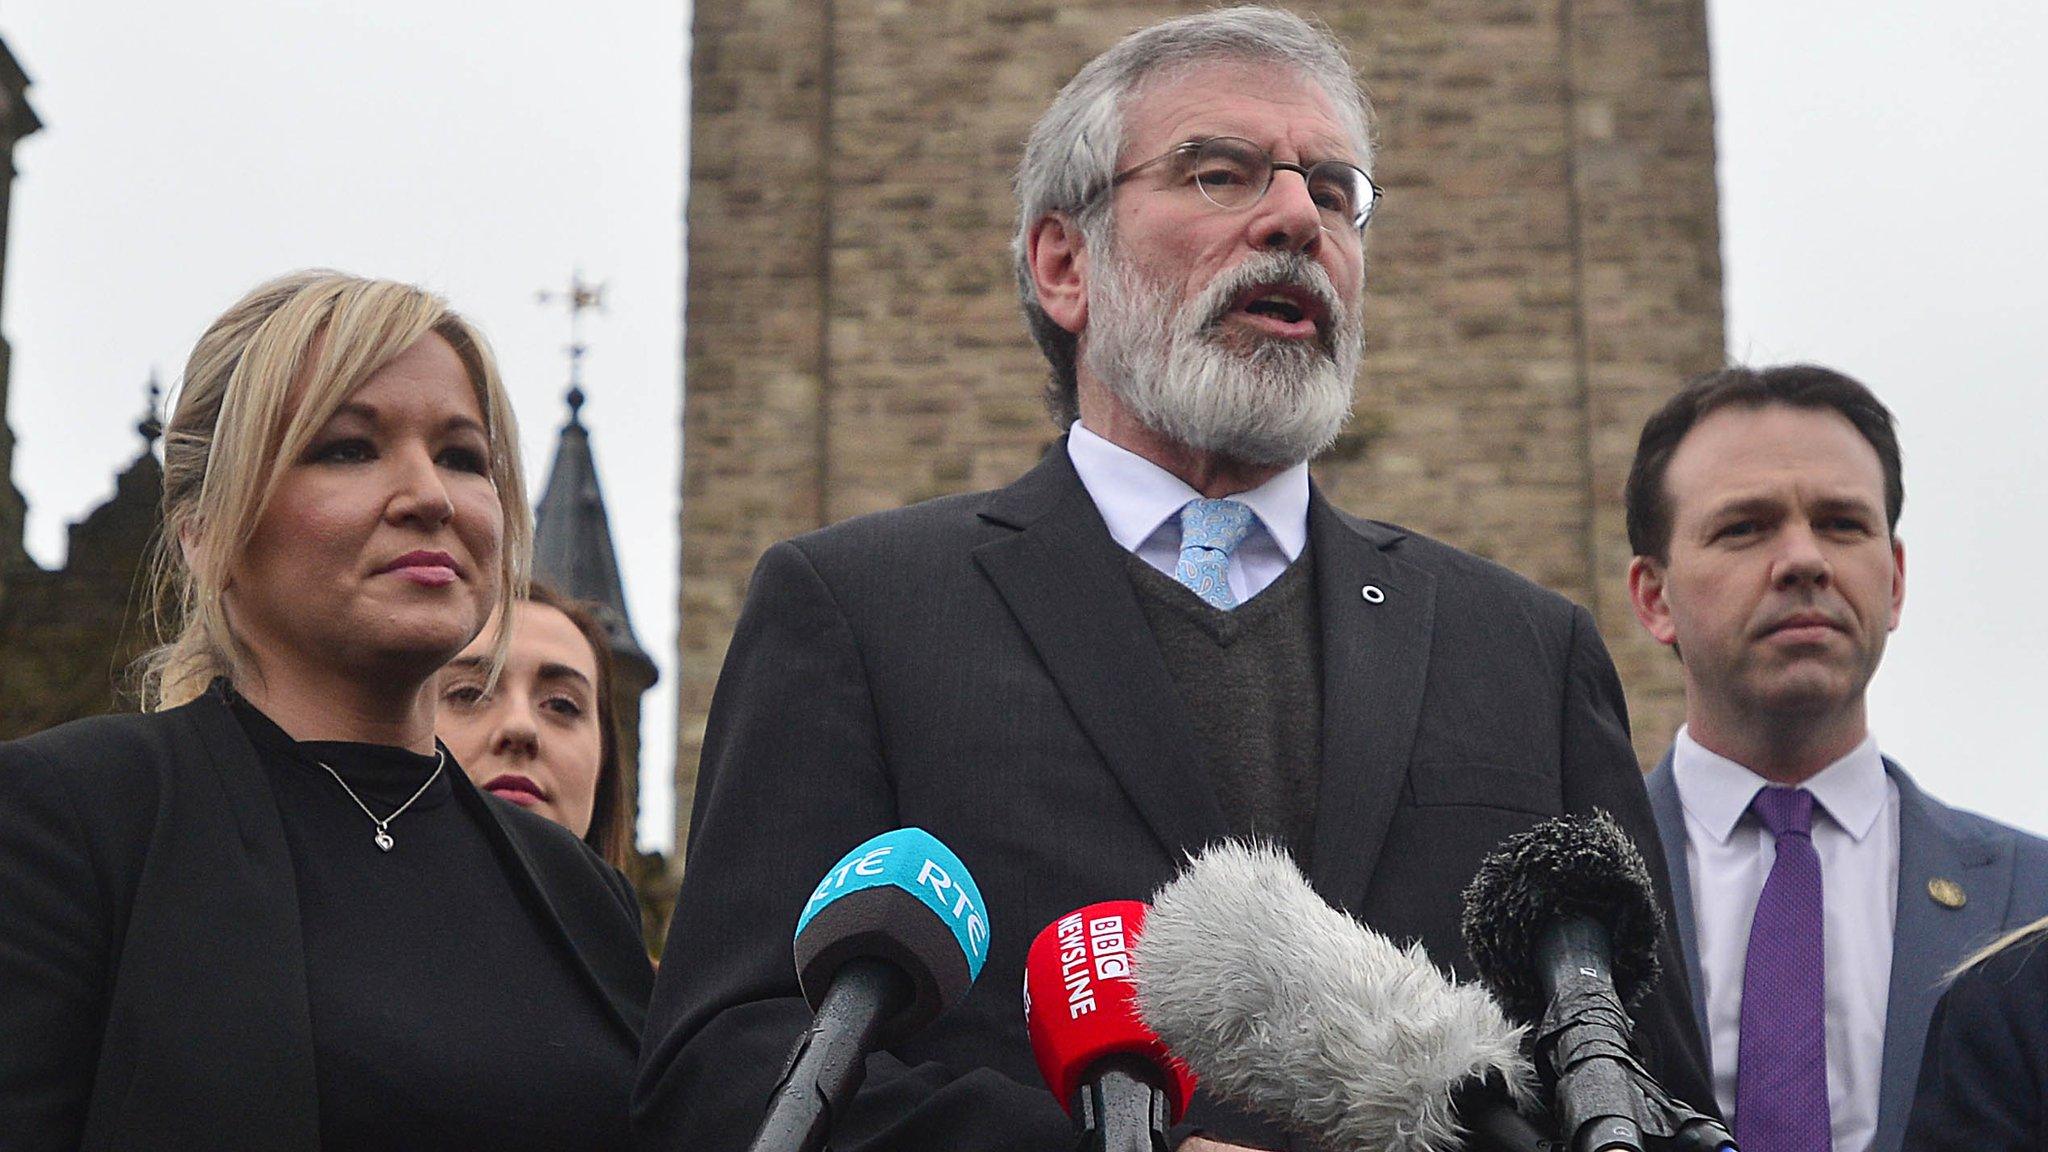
{"points": [[68, 635], [1545, 268], [17, 120]]}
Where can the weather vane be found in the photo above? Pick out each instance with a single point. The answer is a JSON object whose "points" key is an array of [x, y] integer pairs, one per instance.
{"points": [[580, 298], [152, 425]]}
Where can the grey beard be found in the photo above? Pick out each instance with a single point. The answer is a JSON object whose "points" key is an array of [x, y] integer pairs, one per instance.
{"points": [[1274, 404]]}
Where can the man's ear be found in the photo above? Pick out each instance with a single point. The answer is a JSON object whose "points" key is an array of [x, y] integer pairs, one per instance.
{"points": [[1898, 579], [1058, 257], [1646, 595]]}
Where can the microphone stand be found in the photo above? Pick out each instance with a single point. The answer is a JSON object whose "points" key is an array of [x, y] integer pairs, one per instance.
{"points": [[1121, 1106], [829, 1061], [1606, 1100]]}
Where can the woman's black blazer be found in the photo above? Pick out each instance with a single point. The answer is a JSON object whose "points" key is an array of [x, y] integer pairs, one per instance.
{"points": [[152, 970], [1984, 1074]]}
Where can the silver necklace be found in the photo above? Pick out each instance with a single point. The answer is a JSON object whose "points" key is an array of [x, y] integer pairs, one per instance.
{"points": [[383, 837]]}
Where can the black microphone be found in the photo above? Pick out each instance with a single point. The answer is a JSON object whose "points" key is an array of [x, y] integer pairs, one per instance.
{"points": [[1289, 1007], [894, 935], [1562, 922]]}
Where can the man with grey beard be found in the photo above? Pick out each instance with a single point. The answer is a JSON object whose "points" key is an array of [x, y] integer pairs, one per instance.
{"points": [[1160, 636]]}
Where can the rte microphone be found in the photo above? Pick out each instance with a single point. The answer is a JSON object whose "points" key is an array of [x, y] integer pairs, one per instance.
{"points": [[1112, 1075], [1562, 923], [894, 935], [1290, 1007]]}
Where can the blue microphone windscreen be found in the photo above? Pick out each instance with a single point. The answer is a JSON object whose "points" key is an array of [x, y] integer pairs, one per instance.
{"points": [[905, 898]]}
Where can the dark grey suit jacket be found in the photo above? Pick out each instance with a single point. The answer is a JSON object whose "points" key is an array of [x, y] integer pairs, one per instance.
{"points": [[979, 666], [2003, 873]]}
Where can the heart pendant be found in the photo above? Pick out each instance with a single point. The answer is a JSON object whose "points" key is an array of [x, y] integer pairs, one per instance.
{"points": [[384, 840]]}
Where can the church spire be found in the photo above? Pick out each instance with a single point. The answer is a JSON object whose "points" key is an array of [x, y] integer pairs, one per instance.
{"points": [[572, 536]]}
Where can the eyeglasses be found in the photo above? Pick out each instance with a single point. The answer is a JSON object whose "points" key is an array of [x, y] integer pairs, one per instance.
{"points": [[1234, 173]]}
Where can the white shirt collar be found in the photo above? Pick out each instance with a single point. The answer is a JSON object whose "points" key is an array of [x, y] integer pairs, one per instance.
{"points": [[1136, 496], [1715, 791]]}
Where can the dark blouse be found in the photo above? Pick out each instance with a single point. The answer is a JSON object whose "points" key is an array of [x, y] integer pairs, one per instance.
{"points": [[445, 1014]]}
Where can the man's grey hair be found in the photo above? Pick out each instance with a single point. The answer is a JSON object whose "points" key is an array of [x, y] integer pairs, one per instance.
{"points": [[1073, 150]]}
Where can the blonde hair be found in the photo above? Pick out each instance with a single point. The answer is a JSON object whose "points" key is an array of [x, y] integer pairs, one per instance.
{"points": [[2017, 936], [232, 432]]}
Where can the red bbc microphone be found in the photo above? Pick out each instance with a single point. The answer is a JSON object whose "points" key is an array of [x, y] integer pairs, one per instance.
{"points": [[1107, 1069]]}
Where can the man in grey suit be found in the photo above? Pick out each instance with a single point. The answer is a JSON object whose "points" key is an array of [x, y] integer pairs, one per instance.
{"points": [[1822, 896], [1159, 636]]}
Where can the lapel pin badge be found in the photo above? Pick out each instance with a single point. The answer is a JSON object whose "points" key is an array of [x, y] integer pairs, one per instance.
{"points": [[1372, 594], [1947, 893]]}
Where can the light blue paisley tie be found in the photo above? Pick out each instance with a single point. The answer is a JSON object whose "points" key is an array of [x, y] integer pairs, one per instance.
{"points": [[1210, 530]]}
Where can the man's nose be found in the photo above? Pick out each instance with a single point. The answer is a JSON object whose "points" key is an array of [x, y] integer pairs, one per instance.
{"points": [[1286, 218], [1801, 560]]}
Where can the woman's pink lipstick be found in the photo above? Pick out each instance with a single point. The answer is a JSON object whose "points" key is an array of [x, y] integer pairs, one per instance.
{"points": [[432, 569]]}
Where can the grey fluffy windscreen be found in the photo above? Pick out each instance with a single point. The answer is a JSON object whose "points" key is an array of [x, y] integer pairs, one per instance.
{"points": [[1280, 1003], [1567, 866]]}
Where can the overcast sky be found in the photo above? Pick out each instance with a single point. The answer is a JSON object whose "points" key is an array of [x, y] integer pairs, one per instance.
{"points": [[1882, 180]]}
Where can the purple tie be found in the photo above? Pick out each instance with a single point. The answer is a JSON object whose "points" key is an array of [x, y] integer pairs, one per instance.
{"points": [[1781, 1062]]}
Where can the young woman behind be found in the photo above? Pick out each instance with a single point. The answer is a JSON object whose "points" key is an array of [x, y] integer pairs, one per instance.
{"points": [[545, 735]]}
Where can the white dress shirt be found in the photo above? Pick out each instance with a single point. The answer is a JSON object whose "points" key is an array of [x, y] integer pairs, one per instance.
{"points": [[1141, 503], [1729, 854]]}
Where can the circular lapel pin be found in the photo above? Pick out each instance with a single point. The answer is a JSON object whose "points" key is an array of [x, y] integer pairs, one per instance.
{"points": [[1947, 893], [1372, 594]]}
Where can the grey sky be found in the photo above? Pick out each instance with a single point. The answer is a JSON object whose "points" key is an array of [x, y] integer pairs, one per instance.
{"points": [[1881, 176]]}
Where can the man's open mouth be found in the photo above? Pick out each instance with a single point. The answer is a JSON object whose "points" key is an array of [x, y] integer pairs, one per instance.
{"points": [[1277, 306], [1284, 311]]}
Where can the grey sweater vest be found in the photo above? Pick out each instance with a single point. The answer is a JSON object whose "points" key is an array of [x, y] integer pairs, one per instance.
{"points": [[1252, 683]]}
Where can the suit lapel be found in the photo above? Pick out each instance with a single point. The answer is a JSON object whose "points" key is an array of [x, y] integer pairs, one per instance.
{"points": [[221, 863], [1928, 937], [1669, 812], [1063, 578], [1375, 659], [609, 982]]}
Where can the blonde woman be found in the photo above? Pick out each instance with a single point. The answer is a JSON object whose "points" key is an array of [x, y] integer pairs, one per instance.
{"points": [[1984, 1077], [271, 911]]}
